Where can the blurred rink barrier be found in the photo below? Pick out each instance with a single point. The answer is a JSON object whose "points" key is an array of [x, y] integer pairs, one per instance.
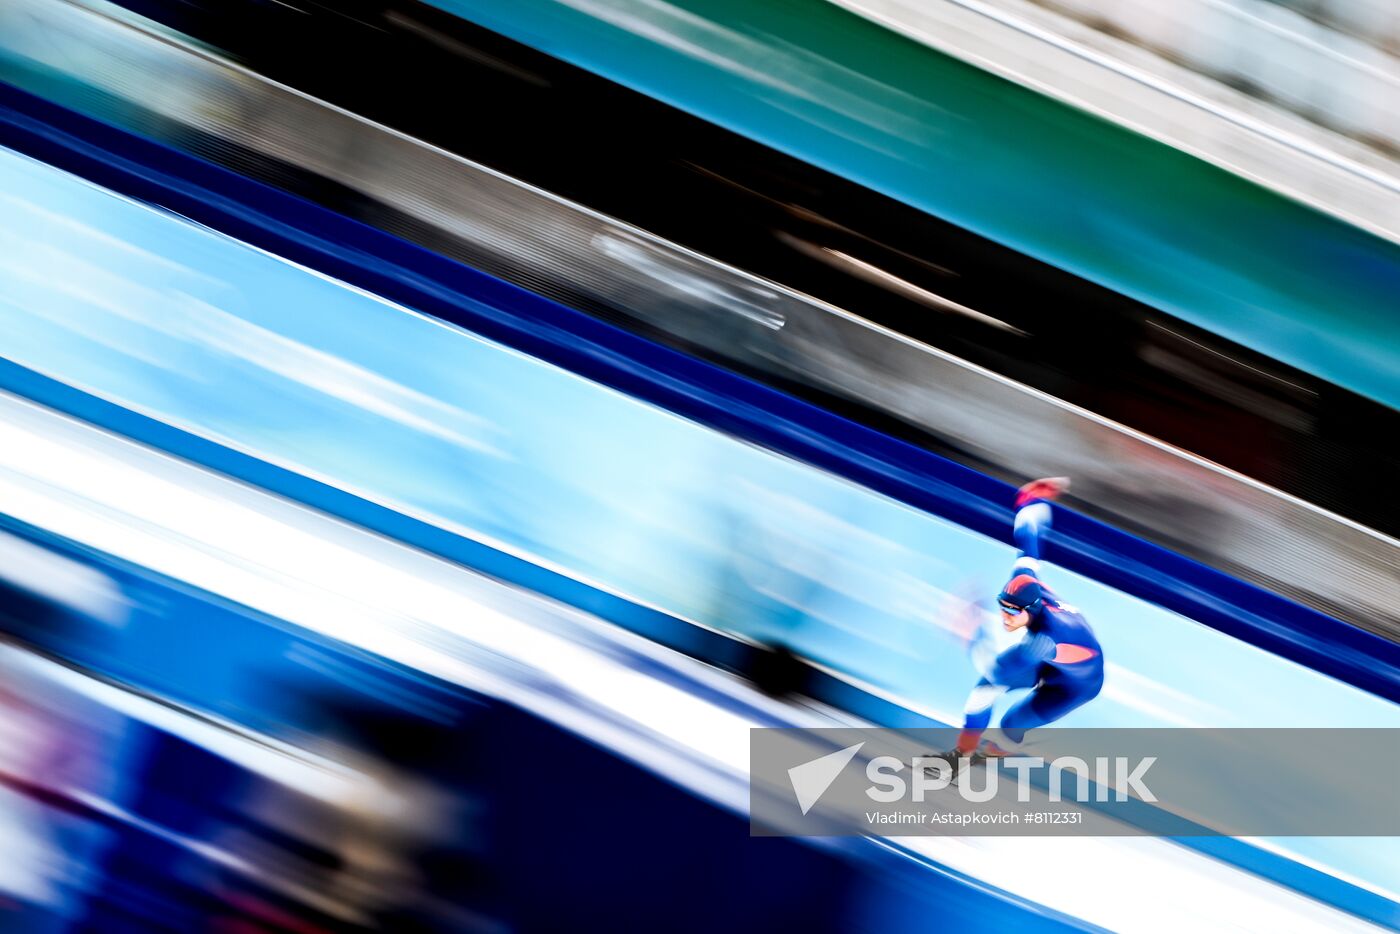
{"points": [[223, 710], [100, 59], [133, 317], [1198, 386], [1068, 188], [822, 235]]}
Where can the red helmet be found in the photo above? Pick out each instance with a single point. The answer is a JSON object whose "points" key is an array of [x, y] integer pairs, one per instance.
{"points": [[1022, 592]]}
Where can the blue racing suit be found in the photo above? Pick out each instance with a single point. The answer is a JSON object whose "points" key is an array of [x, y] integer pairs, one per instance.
{"points": [[1059, 658]]}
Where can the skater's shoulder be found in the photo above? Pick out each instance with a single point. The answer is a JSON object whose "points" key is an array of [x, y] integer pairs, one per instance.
{"points": [[1059, 617]]}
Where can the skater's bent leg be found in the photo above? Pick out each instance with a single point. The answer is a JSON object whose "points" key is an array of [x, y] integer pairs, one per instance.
{"points": [[1046, 704]]}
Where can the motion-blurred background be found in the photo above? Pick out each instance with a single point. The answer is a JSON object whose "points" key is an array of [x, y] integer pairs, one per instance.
{"points": [[433, 435]]}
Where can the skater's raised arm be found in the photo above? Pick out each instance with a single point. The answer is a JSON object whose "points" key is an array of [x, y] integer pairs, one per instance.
{"points": [[1033, 521]]}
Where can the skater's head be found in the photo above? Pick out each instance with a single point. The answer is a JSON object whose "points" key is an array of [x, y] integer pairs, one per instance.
{"points": [[1019, 601]]}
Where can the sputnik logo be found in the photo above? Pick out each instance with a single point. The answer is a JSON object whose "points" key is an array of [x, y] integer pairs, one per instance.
{"points": [[810, 780]]}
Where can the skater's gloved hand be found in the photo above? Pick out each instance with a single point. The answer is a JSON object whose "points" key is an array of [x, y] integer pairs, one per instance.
{"points": [[1044, 488]]}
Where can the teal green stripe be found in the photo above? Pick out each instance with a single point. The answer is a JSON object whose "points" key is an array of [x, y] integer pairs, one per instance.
{"points": [[1062, 185]]}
